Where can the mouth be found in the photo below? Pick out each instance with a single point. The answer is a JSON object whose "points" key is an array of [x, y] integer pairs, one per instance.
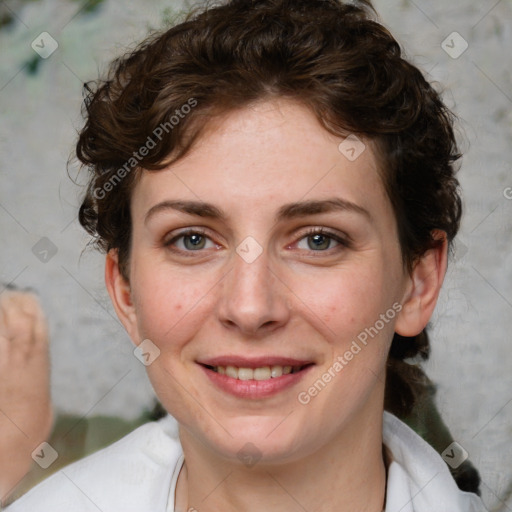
{"points": [[258, 373], [255, 378]]}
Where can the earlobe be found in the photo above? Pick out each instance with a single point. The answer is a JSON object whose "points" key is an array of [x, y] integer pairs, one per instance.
{"points": [[423, 288], [120, 294]]}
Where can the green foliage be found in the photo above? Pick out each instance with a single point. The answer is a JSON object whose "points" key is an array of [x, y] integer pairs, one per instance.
{"points": [[32, 65], [90, 5], [8, 17]]}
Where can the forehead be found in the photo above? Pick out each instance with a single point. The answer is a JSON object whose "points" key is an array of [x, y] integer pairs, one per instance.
{"points": [[264, 156]]}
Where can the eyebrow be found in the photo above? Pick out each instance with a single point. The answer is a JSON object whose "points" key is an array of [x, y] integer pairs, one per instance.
{"points": [[286, 212]]}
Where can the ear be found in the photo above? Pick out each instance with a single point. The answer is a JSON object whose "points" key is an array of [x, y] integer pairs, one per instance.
{"points": [[423, 288], [120, 295]]}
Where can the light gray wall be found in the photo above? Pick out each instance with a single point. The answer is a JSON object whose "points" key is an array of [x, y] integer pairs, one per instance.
{"points": [[93, 368]]}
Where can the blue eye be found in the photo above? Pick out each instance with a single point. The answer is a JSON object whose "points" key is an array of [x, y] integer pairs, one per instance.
{"points": [[190, 241], [319, 240], [196, 240]]}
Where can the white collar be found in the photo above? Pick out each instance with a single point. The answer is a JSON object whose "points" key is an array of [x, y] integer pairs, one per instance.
{"points": [[418, 478]]}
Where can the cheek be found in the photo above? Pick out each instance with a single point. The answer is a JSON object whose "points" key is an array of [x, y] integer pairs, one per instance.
{"points": [[167, 304], [343, 302]]}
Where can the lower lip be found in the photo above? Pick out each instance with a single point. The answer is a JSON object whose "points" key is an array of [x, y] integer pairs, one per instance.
{"points": [[255, 388]]}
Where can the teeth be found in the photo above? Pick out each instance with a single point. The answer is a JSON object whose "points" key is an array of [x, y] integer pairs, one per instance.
{"points": [[263, 373], [276, 371], [232, 372], [245, 374]]}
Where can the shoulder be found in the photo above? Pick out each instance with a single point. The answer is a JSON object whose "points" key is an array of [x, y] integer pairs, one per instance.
{"points": [[131, 474], [418, 478]]}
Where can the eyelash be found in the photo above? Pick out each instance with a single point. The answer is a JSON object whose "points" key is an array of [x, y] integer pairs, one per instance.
{"points": [[183, 234], [343, 242]]}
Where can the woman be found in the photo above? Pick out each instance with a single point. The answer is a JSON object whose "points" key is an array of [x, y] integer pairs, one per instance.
{"points": [[274, 187]]}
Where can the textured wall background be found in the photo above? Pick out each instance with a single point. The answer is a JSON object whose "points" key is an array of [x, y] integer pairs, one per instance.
{"points": [[94, 370]]}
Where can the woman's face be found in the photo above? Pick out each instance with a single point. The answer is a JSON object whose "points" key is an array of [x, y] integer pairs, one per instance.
{"points": [[268, 246]]}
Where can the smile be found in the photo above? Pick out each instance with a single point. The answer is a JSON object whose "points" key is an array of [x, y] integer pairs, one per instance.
{"points": [[255, 378], [261, 373]]}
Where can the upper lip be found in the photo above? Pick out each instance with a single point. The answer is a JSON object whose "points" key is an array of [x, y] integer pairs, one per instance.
{"points": [[253, 362]]}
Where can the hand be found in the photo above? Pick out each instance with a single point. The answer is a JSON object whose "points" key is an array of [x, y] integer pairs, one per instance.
{"points": [[26, 414]]}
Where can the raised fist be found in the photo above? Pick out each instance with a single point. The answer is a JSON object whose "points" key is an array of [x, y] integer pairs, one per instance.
{"points": [[25, 407]]}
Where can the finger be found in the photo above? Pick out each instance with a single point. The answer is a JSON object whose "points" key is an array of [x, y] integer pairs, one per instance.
{"points": [[31, 307], [20, 314], [40, 331], [3, 318], [5, 345]]}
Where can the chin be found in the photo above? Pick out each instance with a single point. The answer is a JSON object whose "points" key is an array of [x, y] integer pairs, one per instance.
{"points": [[270, 440]]}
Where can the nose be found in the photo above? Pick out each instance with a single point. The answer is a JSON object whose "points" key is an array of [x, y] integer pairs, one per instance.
{"points": [[253, 299]]}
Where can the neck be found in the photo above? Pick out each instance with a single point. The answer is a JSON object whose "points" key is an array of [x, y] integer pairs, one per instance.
{"points": [[347, 474]]}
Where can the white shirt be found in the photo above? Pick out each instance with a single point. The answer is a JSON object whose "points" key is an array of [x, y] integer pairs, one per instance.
{"points": [[139, 473]]}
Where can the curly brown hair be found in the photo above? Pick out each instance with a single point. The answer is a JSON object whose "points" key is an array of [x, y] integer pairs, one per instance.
{"points": [[334, 58]]}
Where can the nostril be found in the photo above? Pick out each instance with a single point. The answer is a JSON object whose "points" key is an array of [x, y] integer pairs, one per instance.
{"points": [[229, 323]]}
